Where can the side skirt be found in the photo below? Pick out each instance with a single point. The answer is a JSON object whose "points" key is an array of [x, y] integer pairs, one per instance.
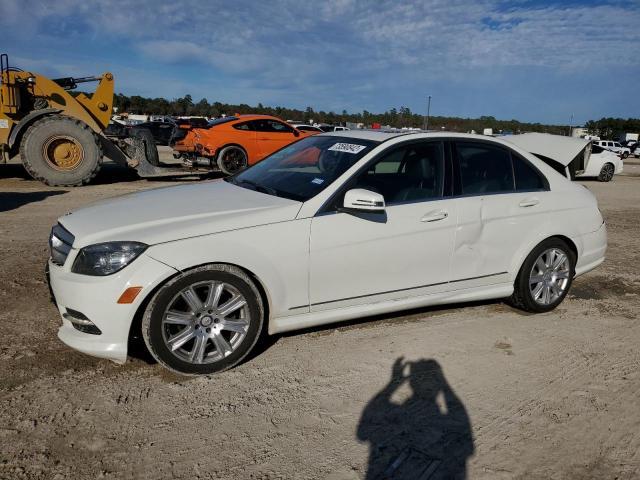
{"points": [[314, 319]]}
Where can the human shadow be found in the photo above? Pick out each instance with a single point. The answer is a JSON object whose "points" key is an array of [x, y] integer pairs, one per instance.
{"points": [[427, 436]]}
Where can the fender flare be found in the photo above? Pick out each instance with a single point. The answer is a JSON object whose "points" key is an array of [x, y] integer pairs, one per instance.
{"points": [[28, 120]]}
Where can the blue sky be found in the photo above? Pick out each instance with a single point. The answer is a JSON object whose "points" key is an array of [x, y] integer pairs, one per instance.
{"points": [[533, 61]]}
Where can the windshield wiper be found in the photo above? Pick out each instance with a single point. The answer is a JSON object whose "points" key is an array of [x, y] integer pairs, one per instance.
{"points": [[258, 188]]}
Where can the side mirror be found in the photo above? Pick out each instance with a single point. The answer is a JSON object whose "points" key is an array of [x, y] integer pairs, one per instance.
{"points": [[363, 201]]}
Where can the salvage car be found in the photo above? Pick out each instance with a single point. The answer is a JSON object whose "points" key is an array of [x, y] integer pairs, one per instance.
{"points": [[603, 164], [235, 142], [333, 227]]}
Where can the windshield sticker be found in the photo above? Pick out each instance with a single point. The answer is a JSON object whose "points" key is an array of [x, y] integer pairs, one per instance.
{"points": [[318, 181], [347, 147]]}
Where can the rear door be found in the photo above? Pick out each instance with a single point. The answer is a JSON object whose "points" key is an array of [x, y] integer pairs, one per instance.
{"points": [[502, 202]]}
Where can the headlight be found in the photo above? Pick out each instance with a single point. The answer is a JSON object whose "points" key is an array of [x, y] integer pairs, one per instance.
{"points": [[106, 258]]}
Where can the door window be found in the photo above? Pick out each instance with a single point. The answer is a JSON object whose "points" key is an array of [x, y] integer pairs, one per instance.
{"points": [[271, 126], [407, 174], [528, 178], [246, 126], [484, 169]]}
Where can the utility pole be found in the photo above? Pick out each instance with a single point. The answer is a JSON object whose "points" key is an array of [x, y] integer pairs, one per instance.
{"points": [[570, 124], [426, 122]]}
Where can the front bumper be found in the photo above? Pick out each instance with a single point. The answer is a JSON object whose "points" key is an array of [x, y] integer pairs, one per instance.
{"points": [[96, 298]]}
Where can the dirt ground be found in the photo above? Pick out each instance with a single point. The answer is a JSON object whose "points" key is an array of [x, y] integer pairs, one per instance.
{"points": [[546, 396]]}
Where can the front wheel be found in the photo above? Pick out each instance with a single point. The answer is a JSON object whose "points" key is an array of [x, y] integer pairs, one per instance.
{"points": [[545, 277], [61, 151], [606, 173], [204, 321], [625, 155]]}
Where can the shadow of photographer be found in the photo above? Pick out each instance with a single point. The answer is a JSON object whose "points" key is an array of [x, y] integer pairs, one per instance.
{"points": [[426, 436]]}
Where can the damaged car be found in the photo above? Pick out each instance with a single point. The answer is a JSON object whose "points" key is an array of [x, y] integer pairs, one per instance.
{"points": [[333, 227]]}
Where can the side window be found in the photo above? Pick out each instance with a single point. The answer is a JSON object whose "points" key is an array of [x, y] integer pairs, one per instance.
{"points": [[273, 126], [407, 174], [484, 169], [244, 126], [528, 178]]}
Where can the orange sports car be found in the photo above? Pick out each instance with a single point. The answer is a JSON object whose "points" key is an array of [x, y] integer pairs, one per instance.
{"points": [[236, 142]]}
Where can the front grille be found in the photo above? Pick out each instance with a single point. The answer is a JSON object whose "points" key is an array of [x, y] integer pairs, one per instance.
{"points": [[60, 243]]}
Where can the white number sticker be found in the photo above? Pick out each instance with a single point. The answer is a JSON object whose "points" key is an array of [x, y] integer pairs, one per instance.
{"points": [[4, 123], [347, 147]]}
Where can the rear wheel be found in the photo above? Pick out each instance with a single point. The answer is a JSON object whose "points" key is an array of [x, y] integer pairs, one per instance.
{"points": [[545, 277], [61, 151], [607, 172], [232, 159], [204, 321]]}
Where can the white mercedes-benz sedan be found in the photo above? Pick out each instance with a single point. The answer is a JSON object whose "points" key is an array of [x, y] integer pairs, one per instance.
{"points": [[333, 227]]}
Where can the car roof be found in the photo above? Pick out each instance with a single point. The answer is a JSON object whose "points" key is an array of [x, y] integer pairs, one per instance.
{"points": [[256, 116]]}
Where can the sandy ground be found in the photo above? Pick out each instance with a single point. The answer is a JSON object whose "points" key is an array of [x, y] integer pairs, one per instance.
{"points": [[536, 397]]}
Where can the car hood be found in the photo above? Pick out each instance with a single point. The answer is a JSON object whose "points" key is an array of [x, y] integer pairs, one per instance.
{"points": [[172, 213]]}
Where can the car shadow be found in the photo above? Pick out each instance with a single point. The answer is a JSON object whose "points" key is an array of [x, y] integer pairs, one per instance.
{"points": [[426, 435], [13, 200]]}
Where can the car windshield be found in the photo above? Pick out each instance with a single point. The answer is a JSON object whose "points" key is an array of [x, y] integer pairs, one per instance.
{"points": [[303, 169]]}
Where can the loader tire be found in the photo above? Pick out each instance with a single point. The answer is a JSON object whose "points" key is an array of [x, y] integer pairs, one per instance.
{"points": [[61, 151], [150, 148]]}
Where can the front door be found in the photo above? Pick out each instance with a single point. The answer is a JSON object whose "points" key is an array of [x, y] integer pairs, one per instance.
{"points": [[273, 135], [363, 258]]}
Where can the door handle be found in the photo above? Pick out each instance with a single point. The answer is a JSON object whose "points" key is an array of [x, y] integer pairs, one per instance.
{"points": [[435, 216], [529, 202]]}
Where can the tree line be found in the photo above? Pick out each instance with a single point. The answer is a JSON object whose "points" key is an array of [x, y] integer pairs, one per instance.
{"points": [[398, 118]]}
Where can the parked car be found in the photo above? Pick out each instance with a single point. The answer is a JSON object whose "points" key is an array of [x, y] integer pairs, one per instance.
{"points": [[603, 164], [572, 157], [614, 147], [161, 132], [325, 127], [236, 142], [332, 227], [303, 127]]}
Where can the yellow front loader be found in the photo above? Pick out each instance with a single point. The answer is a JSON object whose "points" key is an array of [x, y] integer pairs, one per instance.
{"points": [[60, 136], [57, 135]]}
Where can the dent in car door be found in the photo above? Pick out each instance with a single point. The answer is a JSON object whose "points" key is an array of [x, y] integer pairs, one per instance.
{"points": [[493, 225]]}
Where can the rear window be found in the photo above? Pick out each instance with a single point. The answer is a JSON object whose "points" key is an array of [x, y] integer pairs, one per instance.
{"points": [[527, 176]]}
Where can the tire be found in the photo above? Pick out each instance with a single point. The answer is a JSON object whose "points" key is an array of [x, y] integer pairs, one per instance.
{"points": [[172, 339], [625, 154], [524, 298], [61, 151], [150, 148], [232, 159], [606, 172]]}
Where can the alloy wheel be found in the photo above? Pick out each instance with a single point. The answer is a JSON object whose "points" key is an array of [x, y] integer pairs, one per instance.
{"points": [[607, 172], [549, 276], [205, 322]]}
